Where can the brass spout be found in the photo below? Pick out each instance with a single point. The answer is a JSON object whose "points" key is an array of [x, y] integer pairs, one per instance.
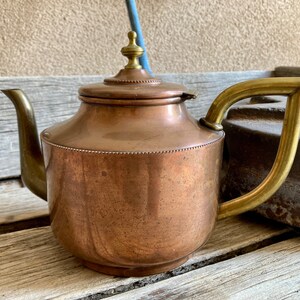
{"points": [[32, 163]]}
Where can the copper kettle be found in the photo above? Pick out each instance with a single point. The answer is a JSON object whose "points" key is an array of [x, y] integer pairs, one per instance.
{"points": [[132, 180]]}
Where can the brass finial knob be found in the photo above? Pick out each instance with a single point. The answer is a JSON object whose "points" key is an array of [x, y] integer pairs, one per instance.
{"points": [[132, 51]]}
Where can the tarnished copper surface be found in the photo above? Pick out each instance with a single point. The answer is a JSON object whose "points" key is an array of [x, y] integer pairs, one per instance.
{"points": [[252, 138], [134, 211], [130, 128], [137, 85]]}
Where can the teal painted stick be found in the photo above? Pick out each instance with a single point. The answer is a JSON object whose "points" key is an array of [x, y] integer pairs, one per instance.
{"points": [[136, 26]]}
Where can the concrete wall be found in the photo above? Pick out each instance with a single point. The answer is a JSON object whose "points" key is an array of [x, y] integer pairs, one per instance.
{"points": [[68, 37]]}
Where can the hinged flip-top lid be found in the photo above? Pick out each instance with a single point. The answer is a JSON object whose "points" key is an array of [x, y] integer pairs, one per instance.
{"points": [[133, 83]]}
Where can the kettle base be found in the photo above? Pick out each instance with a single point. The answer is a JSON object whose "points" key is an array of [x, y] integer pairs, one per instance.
{"points": [[135, 272]]}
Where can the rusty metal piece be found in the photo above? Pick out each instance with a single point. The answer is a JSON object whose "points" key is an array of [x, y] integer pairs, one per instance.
{"points": [[252, 137]]}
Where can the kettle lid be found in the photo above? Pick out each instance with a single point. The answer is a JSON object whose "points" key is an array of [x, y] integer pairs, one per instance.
{"points": [[133, 85]]}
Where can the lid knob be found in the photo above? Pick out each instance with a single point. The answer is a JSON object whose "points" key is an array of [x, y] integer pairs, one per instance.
{"points": [[132, 51]]}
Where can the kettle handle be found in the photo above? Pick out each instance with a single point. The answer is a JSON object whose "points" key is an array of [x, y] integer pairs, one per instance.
{"points": [[288, 141]]}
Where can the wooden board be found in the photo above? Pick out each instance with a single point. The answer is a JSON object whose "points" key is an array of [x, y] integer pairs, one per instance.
{"points": [[272, 272], [34, 266], [287, 72], [17, 203], [55, 99]]}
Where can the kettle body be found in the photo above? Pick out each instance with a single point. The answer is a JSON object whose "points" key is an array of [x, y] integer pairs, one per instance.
{"points": [[132, 198]]}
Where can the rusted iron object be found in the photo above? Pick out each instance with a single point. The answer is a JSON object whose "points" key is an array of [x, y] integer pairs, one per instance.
{"points": [[252, 137], [132, 180]]}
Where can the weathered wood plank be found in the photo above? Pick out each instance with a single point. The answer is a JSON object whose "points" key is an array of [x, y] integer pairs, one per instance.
{"points": [[272, 272], [54, 100], [34, 266], [287, 71], [19, 204]]}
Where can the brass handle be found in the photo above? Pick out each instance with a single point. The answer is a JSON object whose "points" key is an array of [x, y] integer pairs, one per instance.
{"points": [[288, 141]]}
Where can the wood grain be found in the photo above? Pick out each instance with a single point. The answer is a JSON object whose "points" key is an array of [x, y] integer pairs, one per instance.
{"points": [[55, 99], [34, 266], [272, 272], [287, 71], [17, 203]]}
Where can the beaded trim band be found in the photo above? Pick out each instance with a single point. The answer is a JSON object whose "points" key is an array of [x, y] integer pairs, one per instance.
{"points": [[131, 152], [116, 81]]}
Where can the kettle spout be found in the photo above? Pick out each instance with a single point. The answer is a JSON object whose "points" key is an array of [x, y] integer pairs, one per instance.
{"points": [[32, 163]]}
